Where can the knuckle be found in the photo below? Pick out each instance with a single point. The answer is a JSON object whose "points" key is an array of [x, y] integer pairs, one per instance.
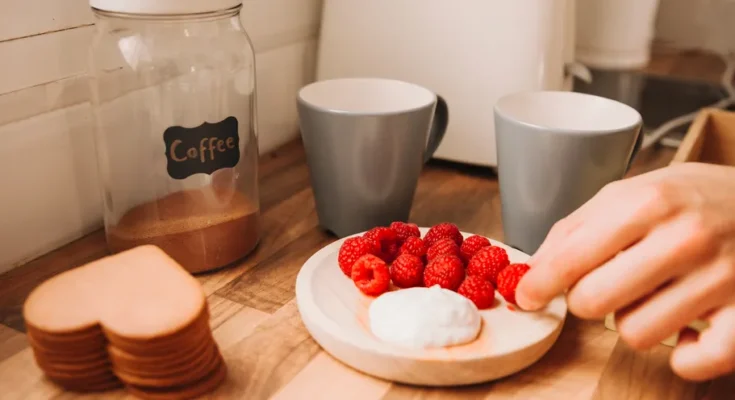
{"points": [[698, 232], [560, 228], [659, 196]]}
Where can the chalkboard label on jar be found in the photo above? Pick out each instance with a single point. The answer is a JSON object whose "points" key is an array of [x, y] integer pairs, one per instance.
{"points": [[203, 149]]}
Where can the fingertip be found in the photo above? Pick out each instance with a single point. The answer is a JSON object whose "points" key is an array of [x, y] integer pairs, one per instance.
{"points": [[693, 360], [526, 304], [681, 354], [526, 298], [540, 285], [686, 362]]}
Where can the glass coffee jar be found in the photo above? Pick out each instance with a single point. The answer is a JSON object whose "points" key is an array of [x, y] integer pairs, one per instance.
{"points": [[173, 94]]}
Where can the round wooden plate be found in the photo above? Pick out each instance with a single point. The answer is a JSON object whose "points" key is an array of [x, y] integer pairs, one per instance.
{"points": [[335, 313]]}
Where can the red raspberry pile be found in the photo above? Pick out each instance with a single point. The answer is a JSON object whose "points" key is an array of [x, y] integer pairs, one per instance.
{"points": [[397, 254]]}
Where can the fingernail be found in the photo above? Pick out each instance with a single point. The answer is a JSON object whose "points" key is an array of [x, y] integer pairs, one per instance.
{"points": [[525, 303]]}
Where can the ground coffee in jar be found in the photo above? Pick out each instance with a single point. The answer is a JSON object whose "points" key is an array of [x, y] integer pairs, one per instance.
{"points": [[173, 93], [202, 229]]}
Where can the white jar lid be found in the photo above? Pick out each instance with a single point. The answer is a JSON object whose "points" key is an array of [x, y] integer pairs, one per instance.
{"points": [[161, 7]]}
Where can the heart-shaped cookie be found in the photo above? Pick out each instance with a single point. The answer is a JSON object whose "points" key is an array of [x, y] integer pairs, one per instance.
{"points": [[136, 318]]}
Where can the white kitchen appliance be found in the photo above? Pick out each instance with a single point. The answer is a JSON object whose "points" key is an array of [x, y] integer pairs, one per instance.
{"points": [[470, 52]]}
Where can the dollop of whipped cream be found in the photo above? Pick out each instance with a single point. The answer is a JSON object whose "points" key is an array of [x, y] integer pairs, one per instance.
{"points": [[424, 318]]}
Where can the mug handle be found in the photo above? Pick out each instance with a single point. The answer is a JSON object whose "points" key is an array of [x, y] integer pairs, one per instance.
{"points": [[636, 148], [438, 128]]}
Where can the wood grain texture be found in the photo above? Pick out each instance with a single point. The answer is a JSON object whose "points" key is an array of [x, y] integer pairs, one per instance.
{"points": [[282, 175], [401, 392], [267, 359], [634, 375], [273, 356], [221, 310], [710, 139], [579, 356], [17, 283], [20, 379], [718, 145], [280, 159], [269, 285], [11, 342], [691, 147], [325, 378], [238, 327], [281, 225], [651, 159], [288, 182]]}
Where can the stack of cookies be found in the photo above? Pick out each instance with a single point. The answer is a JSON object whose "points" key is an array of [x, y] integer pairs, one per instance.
{"points": [[76, 360], [184, 362], [136, 319]]}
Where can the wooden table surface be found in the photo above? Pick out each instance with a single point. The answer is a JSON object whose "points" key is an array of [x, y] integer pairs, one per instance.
{"points": [[271, 355]]}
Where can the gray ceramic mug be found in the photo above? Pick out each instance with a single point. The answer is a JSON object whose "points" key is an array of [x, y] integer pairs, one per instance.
{"points": [[556, 150], [366, 141]]}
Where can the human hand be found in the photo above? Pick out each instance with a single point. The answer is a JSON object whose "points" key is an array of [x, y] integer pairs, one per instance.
{"points": [[657, 249]]}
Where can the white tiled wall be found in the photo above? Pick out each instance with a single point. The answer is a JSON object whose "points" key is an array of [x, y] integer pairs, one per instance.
{"points": [[49, 194]]}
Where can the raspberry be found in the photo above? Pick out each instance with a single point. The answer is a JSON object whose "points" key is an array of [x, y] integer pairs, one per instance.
{"points": [[392, 252], [405, 230], [407, 271], [472, 245], [414, 246], [441, 248], [352, 249], [508, 280], [479, 291], [442, 231], [385, 242], [445, 271], [487, 263], [371, 275]]}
